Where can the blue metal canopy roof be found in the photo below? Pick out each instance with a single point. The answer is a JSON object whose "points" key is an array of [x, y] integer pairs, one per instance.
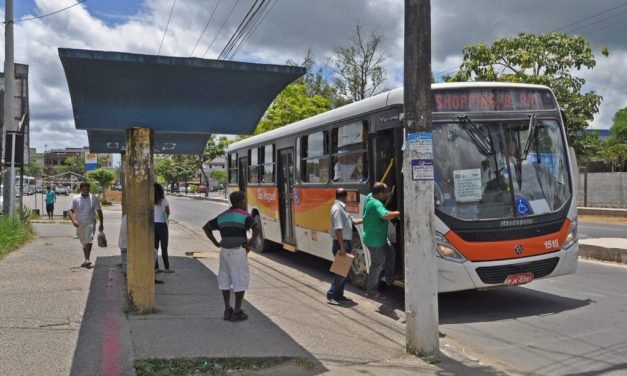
{"points": [[114, 91]]}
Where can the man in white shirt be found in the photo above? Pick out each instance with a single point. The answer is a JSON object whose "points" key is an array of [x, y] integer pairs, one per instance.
{"points": [[83, 215], [341, 230]]}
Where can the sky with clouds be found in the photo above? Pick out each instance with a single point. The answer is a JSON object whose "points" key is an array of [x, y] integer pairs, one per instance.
{"points": [[287, 32]]}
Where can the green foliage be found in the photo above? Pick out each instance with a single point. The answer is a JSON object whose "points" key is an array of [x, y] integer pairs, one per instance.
{"points": [[215, 148], [359, 65], [34, 169], [14, 232], [614, 155], [213, 366], [619, 126], [193, 188], [74, 164], [174, 169], [291, 105], [546, 59], [102, 176], [220, 176]]}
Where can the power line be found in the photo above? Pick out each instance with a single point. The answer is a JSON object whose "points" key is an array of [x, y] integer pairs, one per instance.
{"points": [[596, 22], [48, 14], [245, 20], [221, 27], [607, 26], [206, 25], [592, 16], [166, 27], [244, 25], [253, 29]]}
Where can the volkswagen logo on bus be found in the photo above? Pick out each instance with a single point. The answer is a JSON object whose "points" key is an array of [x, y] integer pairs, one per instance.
{"points": [[519, 249]]}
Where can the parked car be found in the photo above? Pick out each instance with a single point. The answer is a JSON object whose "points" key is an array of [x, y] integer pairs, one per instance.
{"points": [[61, 190], [202, 188], [39, 189], [217, 187]]}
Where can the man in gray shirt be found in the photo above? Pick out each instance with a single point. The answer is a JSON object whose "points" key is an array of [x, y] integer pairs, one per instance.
{"points": [[341, 230], [83, 215]]}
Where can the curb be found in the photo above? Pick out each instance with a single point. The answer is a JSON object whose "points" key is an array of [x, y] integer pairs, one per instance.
{"points": [[607, 212], [214, 199], [600, 253]]}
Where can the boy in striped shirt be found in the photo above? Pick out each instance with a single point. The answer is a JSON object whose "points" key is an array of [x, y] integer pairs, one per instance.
{"points": [[233, 273]]}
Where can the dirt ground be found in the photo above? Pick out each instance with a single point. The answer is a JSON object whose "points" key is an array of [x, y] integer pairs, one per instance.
{"points": [[114, 196]]}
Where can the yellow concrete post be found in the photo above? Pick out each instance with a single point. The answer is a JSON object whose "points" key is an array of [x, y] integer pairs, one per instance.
{"points": [[139, 209]]}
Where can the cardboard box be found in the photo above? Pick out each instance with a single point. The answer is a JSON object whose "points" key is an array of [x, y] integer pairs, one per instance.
{"points": [[342, 264]]}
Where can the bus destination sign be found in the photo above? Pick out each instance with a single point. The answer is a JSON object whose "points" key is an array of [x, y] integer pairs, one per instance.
{"points": [[492, 99]]}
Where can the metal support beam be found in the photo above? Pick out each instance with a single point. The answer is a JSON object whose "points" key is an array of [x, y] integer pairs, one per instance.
{"points": [[140, 211]]}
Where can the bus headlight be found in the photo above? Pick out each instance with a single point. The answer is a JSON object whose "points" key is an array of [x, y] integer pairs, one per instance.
{"points": [[446, 250], [571, 238]]}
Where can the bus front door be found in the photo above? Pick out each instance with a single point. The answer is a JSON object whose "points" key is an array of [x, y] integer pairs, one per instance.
{"points": [[243, 176], [286, 188]]}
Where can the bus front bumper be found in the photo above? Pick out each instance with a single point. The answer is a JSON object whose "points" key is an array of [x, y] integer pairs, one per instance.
{"points": [[470, 275]]}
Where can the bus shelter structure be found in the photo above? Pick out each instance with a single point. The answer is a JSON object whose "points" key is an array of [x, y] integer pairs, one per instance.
{"points": [[139, 105]]}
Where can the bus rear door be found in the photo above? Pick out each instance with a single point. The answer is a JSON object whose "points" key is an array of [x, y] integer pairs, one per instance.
{"points": [[285, 184]]}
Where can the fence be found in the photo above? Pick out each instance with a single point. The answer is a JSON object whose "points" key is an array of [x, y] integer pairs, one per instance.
{"points": [[602, 189]]}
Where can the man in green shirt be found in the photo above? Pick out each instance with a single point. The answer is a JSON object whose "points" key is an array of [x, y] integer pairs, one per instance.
{"points": [[375, 237]]}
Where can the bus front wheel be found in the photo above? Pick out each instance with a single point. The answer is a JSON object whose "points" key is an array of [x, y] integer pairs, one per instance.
{"points": [[261, 245], [358, 274]]}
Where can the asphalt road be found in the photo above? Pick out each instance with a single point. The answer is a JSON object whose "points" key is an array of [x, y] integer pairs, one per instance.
{"points": [[570, 325]]}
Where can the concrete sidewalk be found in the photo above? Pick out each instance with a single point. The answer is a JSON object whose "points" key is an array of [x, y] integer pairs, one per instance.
{"points": [[58, 319]]}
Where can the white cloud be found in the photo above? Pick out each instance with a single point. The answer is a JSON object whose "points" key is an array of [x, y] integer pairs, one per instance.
{"points": [[288, 32]]}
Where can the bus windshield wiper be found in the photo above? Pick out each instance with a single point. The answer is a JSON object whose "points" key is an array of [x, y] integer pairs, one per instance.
{"points": [[482, 142], [532, 133]]}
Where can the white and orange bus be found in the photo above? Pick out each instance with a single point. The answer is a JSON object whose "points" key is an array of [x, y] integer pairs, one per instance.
{"points": [[505, 208]]}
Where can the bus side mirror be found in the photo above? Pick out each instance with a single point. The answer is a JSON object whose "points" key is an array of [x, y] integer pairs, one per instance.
{"points": [[563, 113]]}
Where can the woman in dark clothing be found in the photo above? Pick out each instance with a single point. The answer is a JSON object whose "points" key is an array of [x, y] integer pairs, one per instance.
{"points": [[162, 212]]}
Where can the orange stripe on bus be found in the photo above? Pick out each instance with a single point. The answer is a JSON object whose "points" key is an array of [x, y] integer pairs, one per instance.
{"points": [[502, 250]]}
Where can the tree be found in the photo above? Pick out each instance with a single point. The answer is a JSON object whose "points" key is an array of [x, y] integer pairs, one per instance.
{"points": [[546, 59], [173, 171], [214, 148], [619, 126], [614, 155], [220, 176], [34, 169], [317, 81], [103, 177], [358, 65], [291, 105], [74, 164]]}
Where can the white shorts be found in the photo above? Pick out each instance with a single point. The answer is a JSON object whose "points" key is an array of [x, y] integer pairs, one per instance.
{"points": [[85, 232], [233, 271]]}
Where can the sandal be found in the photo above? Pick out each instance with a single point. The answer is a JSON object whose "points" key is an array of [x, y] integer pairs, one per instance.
{"points": [[238, 316], [158, 270], [228, 313]]}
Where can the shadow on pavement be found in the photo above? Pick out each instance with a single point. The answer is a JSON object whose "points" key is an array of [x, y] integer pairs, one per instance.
{"points": [[188, 323], [502, 304]]}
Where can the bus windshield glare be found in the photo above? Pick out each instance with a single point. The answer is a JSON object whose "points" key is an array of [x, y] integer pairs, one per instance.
{"points": [[471, 184]]}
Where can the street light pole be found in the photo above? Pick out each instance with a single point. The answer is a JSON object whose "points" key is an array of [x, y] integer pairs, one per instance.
{"points": [[421, 294]]}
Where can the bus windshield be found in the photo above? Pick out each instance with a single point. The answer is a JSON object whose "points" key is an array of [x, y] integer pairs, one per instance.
{"points": [[472, 184]]}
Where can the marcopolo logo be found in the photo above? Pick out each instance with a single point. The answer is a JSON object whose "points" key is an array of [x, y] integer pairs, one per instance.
{"points": [[519, 249], [517, 222]]}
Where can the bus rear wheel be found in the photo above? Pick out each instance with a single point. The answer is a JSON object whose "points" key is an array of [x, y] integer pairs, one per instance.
{"points": [[358, 273], [261, 244]]}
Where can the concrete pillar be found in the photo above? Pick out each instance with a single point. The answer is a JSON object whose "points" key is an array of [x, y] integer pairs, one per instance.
{"points": [[140, 210]]}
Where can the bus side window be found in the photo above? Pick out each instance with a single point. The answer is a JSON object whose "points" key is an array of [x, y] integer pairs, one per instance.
{"points": [[350, 152], [233, 168], [315, 158]]}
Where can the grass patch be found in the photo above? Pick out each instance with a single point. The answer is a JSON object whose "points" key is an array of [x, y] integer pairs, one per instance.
{"points": [[210, 366], [13, 234]]}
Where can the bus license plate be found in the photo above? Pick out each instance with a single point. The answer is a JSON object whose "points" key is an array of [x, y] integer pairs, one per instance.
{"points": [[519, 279]]}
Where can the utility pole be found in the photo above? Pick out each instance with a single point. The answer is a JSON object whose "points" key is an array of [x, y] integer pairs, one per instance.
{"points": [[421, 293], [9, 79]]}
